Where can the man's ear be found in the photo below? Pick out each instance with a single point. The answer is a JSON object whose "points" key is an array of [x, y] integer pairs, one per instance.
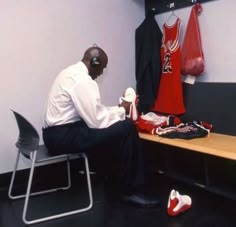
{"points": [[95, 62]]}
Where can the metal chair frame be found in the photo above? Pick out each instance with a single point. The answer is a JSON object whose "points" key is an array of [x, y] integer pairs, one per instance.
{"points": [[28, 146]]}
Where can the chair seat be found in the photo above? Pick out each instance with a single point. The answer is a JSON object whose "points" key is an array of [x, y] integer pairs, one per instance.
{"points": [[42, 154]]}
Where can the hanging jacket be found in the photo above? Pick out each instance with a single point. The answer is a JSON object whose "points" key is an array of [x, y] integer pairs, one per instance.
{"points": [[148, 39]]}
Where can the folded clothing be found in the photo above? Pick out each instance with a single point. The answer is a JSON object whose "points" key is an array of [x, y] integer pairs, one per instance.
{"points": [[191, 130], [152, 123]]}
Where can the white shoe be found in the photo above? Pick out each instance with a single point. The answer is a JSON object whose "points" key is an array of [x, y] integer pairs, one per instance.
{"points": [[130, 96], [178, 203]]}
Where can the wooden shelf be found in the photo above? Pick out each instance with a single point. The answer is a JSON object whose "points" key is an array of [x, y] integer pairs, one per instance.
{"points": [[164, 6]]}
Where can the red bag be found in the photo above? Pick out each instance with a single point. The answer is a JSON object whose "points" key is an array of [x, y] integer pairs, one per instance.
{"points": [[192, 60]]}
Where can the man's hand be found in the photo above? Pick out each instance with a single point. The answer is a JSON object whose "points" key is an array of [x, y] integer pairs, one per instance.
{"points": [[125, 105]]}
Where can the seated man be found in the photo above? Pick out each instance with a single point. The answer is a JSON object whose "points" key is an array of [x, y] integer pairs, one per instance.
{"points": [[77, 121]]}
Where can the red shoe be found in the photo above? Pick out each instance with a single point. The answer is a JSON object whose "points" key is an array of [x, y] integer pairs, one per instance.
{"points": [[178, 203]]}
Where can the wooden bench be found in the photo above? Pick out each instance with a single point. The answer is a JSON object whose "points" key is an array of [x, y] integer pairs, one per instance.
{"points": [[207, 162], [215, 144], [213, 103]]}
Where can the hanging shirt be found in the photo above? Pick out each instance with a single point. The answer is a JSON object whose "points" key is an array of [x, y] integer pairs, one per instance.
{"points": [[169, 99], [74, 96]]}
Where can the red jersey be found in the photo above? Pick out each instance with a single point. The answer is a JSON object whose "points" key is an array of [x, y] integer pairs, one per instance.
{"points": [[169, 98]]}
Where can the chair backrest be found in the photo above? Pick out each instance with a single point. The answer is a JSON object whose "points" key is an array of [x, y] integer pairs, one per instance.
{"points": [[28, 139]]}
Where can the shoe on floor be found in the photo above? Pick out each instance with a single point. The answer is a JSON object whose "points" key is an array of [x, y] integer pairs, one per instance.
{"points": [[140, 200], [178, 203]]}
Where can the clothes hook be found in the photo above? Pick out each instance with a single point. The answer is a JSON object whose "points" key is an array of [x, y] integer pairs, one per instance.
{"points": [[172, 5]]}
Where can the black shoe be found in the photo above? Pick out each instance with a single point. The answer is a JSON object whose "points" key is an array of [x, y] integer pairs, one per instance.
{"points": [[140, 200]]}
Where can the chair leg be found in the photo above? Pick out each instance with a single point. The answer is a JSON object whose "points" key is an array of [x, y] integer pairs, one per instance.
{"points": [[68, 174], [29, 222], [88, 181], [29, 188], [40, 192], [13, 178]]}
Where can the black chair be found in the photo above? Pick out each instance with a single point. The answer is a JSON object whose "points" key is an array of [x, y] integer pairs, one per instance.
{"points": [[28, 147]]}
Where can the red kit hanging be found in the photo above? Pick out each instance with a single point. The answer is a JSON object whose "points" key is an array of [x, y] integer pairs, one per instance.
{"points": [[170, 95], [192, 59]]}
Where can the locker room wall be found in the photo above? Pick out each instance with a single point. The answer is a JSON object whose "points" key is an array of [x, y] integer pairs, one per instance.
{"points": [[218, 36], [40, 38], [213, 103]]}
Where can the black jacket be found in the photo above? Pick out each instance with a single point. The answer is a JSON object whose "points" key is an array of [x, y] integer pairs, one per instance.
{"points": [[148, 39]]}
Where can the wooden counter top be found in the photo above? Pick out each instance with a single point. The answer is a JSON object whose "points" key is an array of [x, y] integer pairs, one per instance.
{"points": [[214, 144]]}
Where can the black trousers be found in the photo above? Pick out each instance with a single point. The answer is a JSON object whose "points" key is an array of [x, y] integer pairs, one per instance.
{"points": [[117, 148]]}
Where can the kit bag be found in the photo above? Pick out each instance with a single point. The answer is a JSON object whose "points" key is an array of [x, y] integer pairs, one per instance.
{"points": [[192, 59]]}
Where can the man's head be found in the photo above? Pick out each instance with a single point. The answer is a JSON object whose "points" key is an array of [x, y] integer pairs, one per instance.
{"points": [[96, 60]]}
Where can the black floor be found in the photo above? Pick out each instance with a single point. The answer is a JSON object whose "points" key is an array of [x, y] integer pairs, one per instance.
{"points": [[207, 209]]}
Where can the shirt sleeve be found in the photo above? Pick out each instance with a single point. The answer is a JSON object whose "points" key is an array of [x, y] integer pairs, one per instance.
{"points": [[86, 98]]}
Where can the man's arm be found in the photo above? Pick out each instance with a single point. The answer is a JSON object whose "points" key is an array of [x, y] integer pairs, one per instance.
{"points": [[87, 101]]}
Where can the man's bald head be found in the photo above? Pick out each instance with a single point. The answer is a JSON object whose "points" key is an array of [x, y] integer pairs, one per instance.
{"points": [[96, 60]]}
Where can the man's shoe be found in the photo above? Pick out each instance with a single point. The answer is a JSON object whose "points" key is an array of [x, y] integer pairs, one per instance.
{"points": [[130, 96], [140, 200], [178, 203]]}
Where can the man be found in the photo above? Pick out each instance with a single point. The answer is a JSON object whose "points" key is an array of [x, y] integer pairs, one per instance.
{"points": [[77, 121]]}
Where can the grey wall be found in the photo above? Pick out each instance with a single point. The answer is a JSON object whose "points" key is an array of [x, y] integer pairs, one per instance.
{"points": [[39, 38]]}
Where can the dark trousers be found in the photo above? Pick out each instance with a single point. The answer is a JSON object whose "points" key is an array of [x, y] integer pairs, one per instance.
{"points": [[117, 148]]}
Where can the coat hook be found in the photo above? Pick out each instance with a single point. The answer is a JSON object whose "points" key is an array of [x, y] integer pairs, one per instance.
{"points": [[171, 5]]}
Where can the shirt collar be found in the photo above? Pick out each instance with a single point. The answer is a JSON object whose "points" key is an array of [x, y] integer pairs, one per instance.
{"points": [[83, 67]]}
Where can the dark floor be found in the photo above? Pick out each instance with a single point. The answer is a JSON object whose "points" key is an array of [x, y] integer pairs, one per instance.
{"points": [[207, 209]]}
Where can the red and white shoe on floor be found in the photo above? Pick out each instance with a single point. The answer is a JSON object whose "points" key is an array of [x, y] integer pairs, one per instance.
{"points": [[178, 203], [130, 96]]}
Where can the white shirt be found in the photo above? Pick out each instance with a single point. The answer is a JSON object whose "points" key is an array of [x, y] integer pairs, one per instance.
{"points": [[74, 96]]}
